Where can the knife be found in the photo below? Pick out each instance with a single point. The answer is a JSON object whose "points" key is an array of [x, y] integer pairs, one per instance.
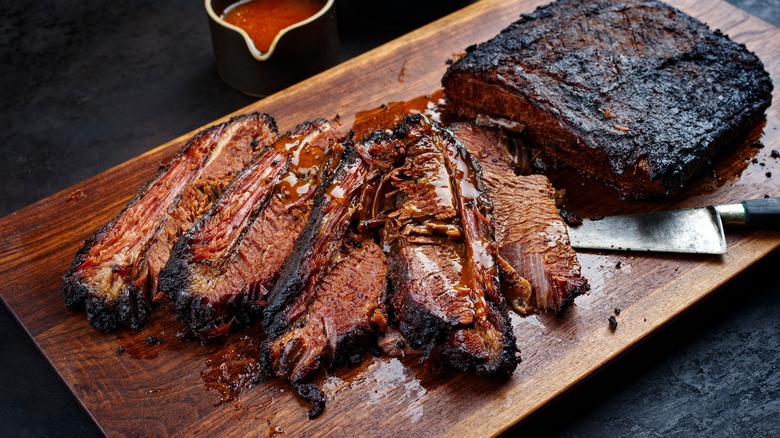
{"points": [[692, 230]]}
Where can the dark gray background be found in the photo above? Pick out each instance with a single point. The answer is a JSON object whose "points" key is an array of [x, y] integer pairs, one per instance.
{"points": [[87, 85]]}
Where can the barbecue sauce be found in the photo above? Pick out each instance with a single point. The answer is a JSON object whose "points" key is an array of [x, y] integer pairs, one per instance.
{"points": [[264, 19], [389, 115]]}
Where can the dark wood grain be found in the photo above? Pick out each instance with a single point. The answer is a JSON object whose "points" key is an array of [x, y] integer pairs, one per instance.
{"points": [[162, 389]]}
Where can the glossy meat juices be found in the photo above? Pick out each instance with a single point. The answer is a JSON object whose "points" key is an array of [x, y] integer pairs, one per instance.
{"points": [[444, 289], [220, 271], [264, 19]]}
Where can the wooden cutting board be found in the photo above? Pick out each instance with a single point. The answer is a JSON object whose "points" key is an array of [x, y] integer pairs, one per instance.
{"points": [[185, 388]]}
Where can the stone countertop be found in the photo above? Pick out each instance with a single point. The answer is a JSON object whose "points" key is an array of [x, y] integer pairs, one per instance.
{"points": [[91, 84]]}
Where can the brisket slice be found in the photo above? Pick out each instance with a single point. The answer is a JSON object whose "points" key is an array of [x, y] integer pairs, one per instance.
{"points": [[116, 272], [530, 233], [444, 286], [221, 270], [425, 297], [317, 245], [342, 321], [634, 93], [328, 301]]}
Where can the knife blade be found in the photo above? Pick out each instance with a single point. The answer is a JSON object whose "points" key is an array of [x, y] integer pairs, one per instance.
{"points": [[691, 230]]}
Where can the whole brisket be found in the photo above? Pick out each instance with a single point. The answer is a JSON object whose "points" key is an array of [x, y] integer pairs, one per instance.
{"points": [[221, 270], [530, 233], [634, 93], [116, 273]]}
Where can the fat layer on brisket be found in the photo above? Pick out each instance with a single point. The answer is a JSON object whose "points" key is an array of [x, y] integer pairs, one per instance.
{"points": [[115, 275], [220, 272], [530, 234], [634, 93]]}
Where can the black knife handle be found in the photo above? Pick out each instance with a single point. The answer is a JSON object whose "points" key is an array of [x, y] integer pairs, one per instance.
{"points": [[763, 213]]}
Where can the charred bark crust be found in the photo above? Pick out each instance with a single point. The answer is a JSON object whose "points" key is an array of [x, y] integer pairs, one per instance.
{"points": [[313, 395], [641, 111]]}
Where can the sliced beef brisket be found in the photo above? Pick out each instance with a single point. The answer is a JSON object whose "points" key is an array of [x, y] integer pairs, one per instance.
{"points": [[444, 288], [317, 245], [116, 273], [341, 322], [531, 235], [220, 272], [328, 303]]}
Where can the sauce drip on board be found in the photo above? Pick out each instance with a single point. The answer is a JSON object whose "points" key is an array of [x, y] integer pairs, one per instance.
{"points": [[264, 19]]}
